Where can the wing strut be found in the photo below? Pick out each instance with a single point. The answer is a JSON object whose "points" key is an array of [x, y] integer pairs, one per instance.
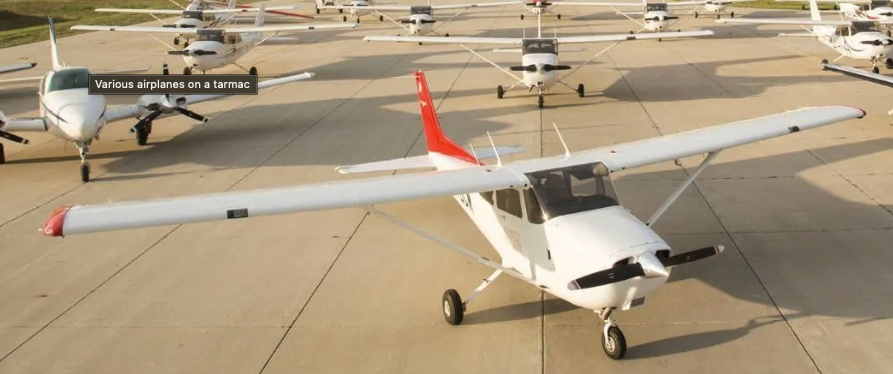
{"points": [[688, 181], [608, 48], [502, 69]]}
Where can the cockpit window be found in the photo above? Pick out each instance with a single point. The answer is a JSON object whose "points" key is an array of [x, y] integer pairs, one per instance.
{"points": [[192, 14], [879, 3], [656, 7], [539, 46], [209, 35], [864, 26], [420, 10], [68, 79], [573, 189]]}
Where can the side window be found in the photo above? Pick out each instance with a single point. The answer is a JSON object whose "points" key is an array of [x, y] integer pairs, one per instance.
{"points": [[534, 211], [488, 196], [509, 201]]}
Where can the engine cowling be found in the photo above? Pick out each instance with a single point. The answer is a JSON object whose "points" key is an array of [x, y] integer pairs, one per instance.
{"points": [[165, 103], [23, 124]]}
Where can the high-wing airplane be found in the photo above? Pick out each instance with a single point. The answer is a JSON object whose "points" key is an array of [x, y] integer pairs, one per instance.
{"points": [[355, 9], [556, 222], [655, 16], [861, 40], [219, 5], [196, 16], [219, 47], [69, 112], [717, 7], [421, 17], [860, 74], [544, 7], [539, 56]]}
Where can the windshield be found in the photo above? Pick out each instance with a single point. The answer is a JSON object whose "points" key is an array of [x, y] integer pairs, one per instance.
{"points": [[68, 79], [192, 14], [573, 189], [539, 46], [210, 35], [657, 7], [878, 4], [864, 26], [420, 10]]}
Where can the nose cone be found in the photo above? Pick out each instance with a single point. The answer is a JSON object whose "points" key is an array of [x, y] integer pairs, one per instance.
{"points": [[77, 113], [189, 22], [195, 56], [652, 267]]}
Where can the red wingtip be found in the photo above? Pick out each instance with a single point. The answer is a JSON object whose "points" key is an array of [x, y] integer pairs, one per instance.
{"points": [[56, 223], [434, 136]]}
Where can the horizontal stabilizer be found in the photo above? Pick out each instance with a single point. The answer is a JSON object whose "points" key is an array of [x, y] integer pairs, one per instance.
{"points": [[485, 153], [797, 35], [508, 50], [415, 162]]}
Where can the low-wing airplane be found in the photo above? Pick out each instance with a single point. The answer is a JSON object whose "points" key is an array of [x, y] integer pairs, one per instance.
{"points": [[717, 7], [421, 17], [556, 222], [539, 56], [218, 47], [69, 112], [861, 40], [860, 74]]}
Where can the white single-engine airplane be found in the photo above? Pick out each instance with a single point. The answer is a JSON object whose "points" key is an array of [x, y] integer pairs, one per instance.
{"points": [[196, 16], [421, 17], [860, 74], [355, 9], [717, 7], [69, 112], [539, 56], [219, 47], [861, 40], [556, 221]]}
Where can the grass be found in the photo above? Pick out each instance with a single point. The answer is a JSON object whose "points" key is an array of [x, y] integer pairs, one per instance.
{"points": [[25, 21], [772, 4]]}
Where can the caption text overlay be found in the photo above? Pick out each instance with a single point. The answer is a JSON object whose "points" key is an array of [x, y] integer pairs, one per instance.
{"points": [[157, 84]]}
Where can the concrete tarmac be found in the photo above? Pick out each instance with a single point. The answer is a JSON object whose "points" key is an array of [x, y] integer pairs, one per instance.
{"points": [[807, 219]]}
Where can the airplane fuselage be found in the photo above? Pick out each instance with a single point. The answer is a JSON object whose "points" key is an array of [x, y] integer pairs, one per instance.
{"points": [[73, 114], [656, 20], [861, 46], [542, 78], [359, 12], [225, 53], [714, 7]]}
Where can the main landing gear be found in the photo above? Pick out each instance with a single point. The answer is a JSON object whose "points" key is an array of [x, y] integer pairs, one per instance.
{"points": [[613, 341], [454, 307]]}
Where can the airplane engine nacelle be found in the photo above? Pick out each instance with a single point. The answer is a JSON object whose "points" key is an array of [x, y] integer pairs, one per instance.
{"points": [[165, 103], [35, 124]]}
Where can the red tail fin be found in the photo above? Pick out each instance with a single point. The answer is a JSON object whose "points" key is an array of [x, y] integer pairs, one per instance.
{"points": [[437, 141]]}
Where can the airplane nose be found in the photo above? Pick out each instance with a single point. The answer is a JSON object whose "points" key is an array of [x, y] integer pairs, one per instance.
{"points": [[78, 124], [652, 267]]}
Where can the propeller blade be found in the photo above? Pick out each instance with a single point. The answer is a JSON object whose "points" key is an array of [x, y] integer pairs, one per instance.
{"points": [[13, 137], [143, 122], [529, 68], [556, 67], [178, 53], [199, 52], [173, 26], [695, 255], [191, 114], [424, 21], [604, 277], [671, 17], [404, 21]]}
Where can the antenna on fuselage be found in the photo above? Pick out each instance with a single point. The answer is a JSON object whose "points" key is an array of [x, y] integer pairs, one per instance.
{"points": [[495, 151], [567, 151]]}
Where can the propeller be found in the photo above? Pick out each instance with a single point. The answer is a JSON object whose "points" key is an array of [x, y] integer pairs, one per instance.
{"points": [[878, 42], [533, 68], [661, 18], [13, 137], [178, 26], [191, 52], [165, 105], [886, 14], [648, 266], [417, 22]]}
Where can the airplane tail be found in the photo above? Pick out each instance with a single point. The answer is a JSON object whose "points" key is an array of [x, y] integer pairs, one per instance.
{"points": [[438, 142], [261, 11], [54, 49], [231, 4], [814, 11]]}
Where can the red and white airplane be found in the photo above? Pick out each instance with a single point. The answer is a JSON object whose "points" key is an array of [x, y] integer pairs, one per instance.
{"points": [[555, 221]]}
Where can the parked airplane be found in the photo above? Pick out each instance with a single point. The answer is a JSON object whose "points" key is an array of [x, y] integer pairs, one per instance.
{"points": [[717, 7], [556, 222], [218, 5], [543, 7], [655, 16], [421, 17], [355, 9], [195, 16], [861, 40], [860, 74], [219, 47], [539, 56], [69, 112]]}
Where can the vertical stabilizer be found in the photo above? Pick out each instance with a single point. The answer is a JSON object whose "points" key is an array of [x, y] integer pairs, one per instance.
{"points": [[54, 50], [231, 4], [434, 136], [814, 14], [261, 11]]}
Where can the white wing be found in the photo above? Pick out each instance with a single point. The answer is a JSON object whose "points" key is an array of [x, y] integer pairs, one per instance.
{"points": [[861, 74], [607, 4], [370, 191], [149, 29], [142, 11], [785, 21], [247, 10], [443, 39], [133, 110], [19, 67], [477, 5], [397, 8], [624, 37], [183, 31]]}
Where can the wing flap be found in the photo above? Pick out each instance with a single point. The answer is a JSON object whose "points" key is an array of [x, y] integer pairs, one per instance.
{"points": [[442, 39], [784, 21], [630, 37]]}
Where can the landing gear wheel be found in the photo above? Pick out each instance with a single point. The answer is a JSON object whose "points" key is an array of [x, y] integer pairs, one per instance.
{"points": [[500, 92], [824, 61], [358, 20], [453, 310], [581, 90], [615, 343], [541, 101], [317, 10], [558, 15], [85, 172], [142, 135], [341, 11], [177, 41], [717, 16], [252, 71], [732, 14], [187, 71], [696, 14], [803, 7], [889, 63], [344, 19], [186, 44], [2, 155], [522, 17], [875, 70], [420, 43], [659, 39], [447, 35], [380, 18]]}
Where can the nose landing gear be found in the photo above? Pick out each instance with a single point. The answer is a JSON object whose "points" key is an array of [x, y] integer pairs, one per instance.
{"points": [[613, 341]]}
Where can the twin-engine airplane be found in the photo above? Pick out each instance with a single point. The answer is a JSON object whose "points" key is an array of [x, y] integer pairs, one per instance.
{"points": [[69, 112], [863, 75], [556, 222], [861, 40], [421, 17], [539, 56], [219, 47]]}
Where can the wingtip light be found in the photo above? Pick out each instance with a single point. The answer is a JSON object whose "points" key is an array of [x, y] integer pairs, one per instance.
{"points": [[55, 225]]}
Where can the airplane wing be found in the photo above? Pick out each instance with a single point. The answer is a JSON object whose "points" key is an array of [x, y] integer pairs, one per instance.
{"points": [[133, 110], [861, 74], [785, 21], [599, 3], [182, 31], [78, 219], [827, 1], [395, 8], [142, 11], [630, 37], [474, 5], [19, 67], [247, 10], [443, 39]]}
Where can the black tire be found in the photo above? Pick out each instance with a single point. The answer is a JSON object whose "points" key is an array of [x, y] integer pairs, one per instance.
{"points": [[659, 39], [541, 101], [836, 7], [558, 15], [317, 10], [875, 70], [177, 41], [186, 44], [696, 14], [380, 18], [824, 61], [420, 43], [732, 14], [803, 7], [85, 173], [717, 16], [344, 19], [615, 345], [187, 71], [453, 310], [581, 90], [522, 17], [142, 136], [252, 71], [500, 92], [889, 63], [341, 11], [2, 155], [447, 35]]}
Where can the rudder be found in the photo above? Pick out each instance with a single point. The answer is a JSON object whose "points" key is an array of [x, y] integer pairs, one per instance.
{"points": [[436, 140]]}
